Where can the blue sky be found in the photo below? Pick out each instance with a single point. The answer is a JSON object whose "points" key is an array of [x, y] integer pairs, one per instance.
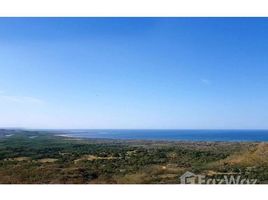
{"points": [[163, 73]]}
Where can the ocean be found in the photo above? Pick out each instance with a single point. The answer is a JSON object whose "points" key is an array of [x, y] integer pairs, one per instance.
{"points": [[176, 135]]}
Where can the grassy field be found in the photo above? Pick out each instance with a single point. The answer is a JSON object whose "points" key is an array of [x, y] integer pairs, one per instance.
{"points": [[42, 157]]}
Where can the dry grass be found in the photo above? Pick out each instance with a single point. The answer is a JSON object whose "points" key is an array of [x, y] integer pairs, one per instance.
{"points": [[155, 173], [92, 157], [20, 159], [255, 156], [47, 160]]}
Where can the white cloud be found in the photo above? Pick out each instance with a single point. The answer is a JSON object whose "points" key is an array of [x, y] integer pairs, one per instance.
{"points": [[205, 81]]}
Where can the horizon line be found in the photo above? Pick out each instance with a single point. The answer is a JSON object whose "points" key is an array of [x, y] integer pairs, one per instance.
{"points": [[218, 129]]}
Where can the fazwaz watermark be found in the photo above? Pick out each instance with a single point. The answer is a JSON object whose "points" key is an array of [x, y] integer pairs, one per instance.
{"points": [[191, 178]]}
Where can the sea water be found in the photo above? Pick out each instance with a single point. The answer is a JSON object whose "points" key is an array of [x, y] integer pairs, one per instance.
{"points": [[183, 135]]}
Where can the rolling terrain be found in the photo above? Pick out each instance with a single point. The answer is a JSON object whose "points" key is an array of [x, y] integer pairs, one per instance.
{"points": [[41, 157]]}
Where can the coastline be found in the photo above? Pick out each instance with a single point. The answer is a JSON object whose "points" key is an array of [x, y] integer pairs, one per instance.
{"points": [[56, 158]]}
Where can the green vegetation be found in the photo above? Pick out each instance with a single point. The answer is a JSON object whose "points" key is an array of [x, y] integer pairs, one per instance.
{"points": [[43, 157]]}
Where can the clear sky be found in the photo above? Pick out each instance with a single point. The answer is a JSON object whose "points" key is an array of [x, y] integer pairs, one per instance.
{"points": [[163, 73]]}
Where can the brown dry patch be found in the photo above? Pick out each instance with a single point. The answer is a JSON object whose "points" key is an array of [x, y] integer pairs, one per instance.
{"points": [[213, 173], [130, 153], [137, 178], [20, 159], [92, 157], [153, 173], [256, 156], [47, 160], [168, 176]]}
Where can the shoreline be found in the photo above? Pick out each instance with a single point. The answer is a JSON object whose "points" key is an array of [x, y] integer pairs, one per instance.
{"points": [[61, 158], [155, 140]]}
